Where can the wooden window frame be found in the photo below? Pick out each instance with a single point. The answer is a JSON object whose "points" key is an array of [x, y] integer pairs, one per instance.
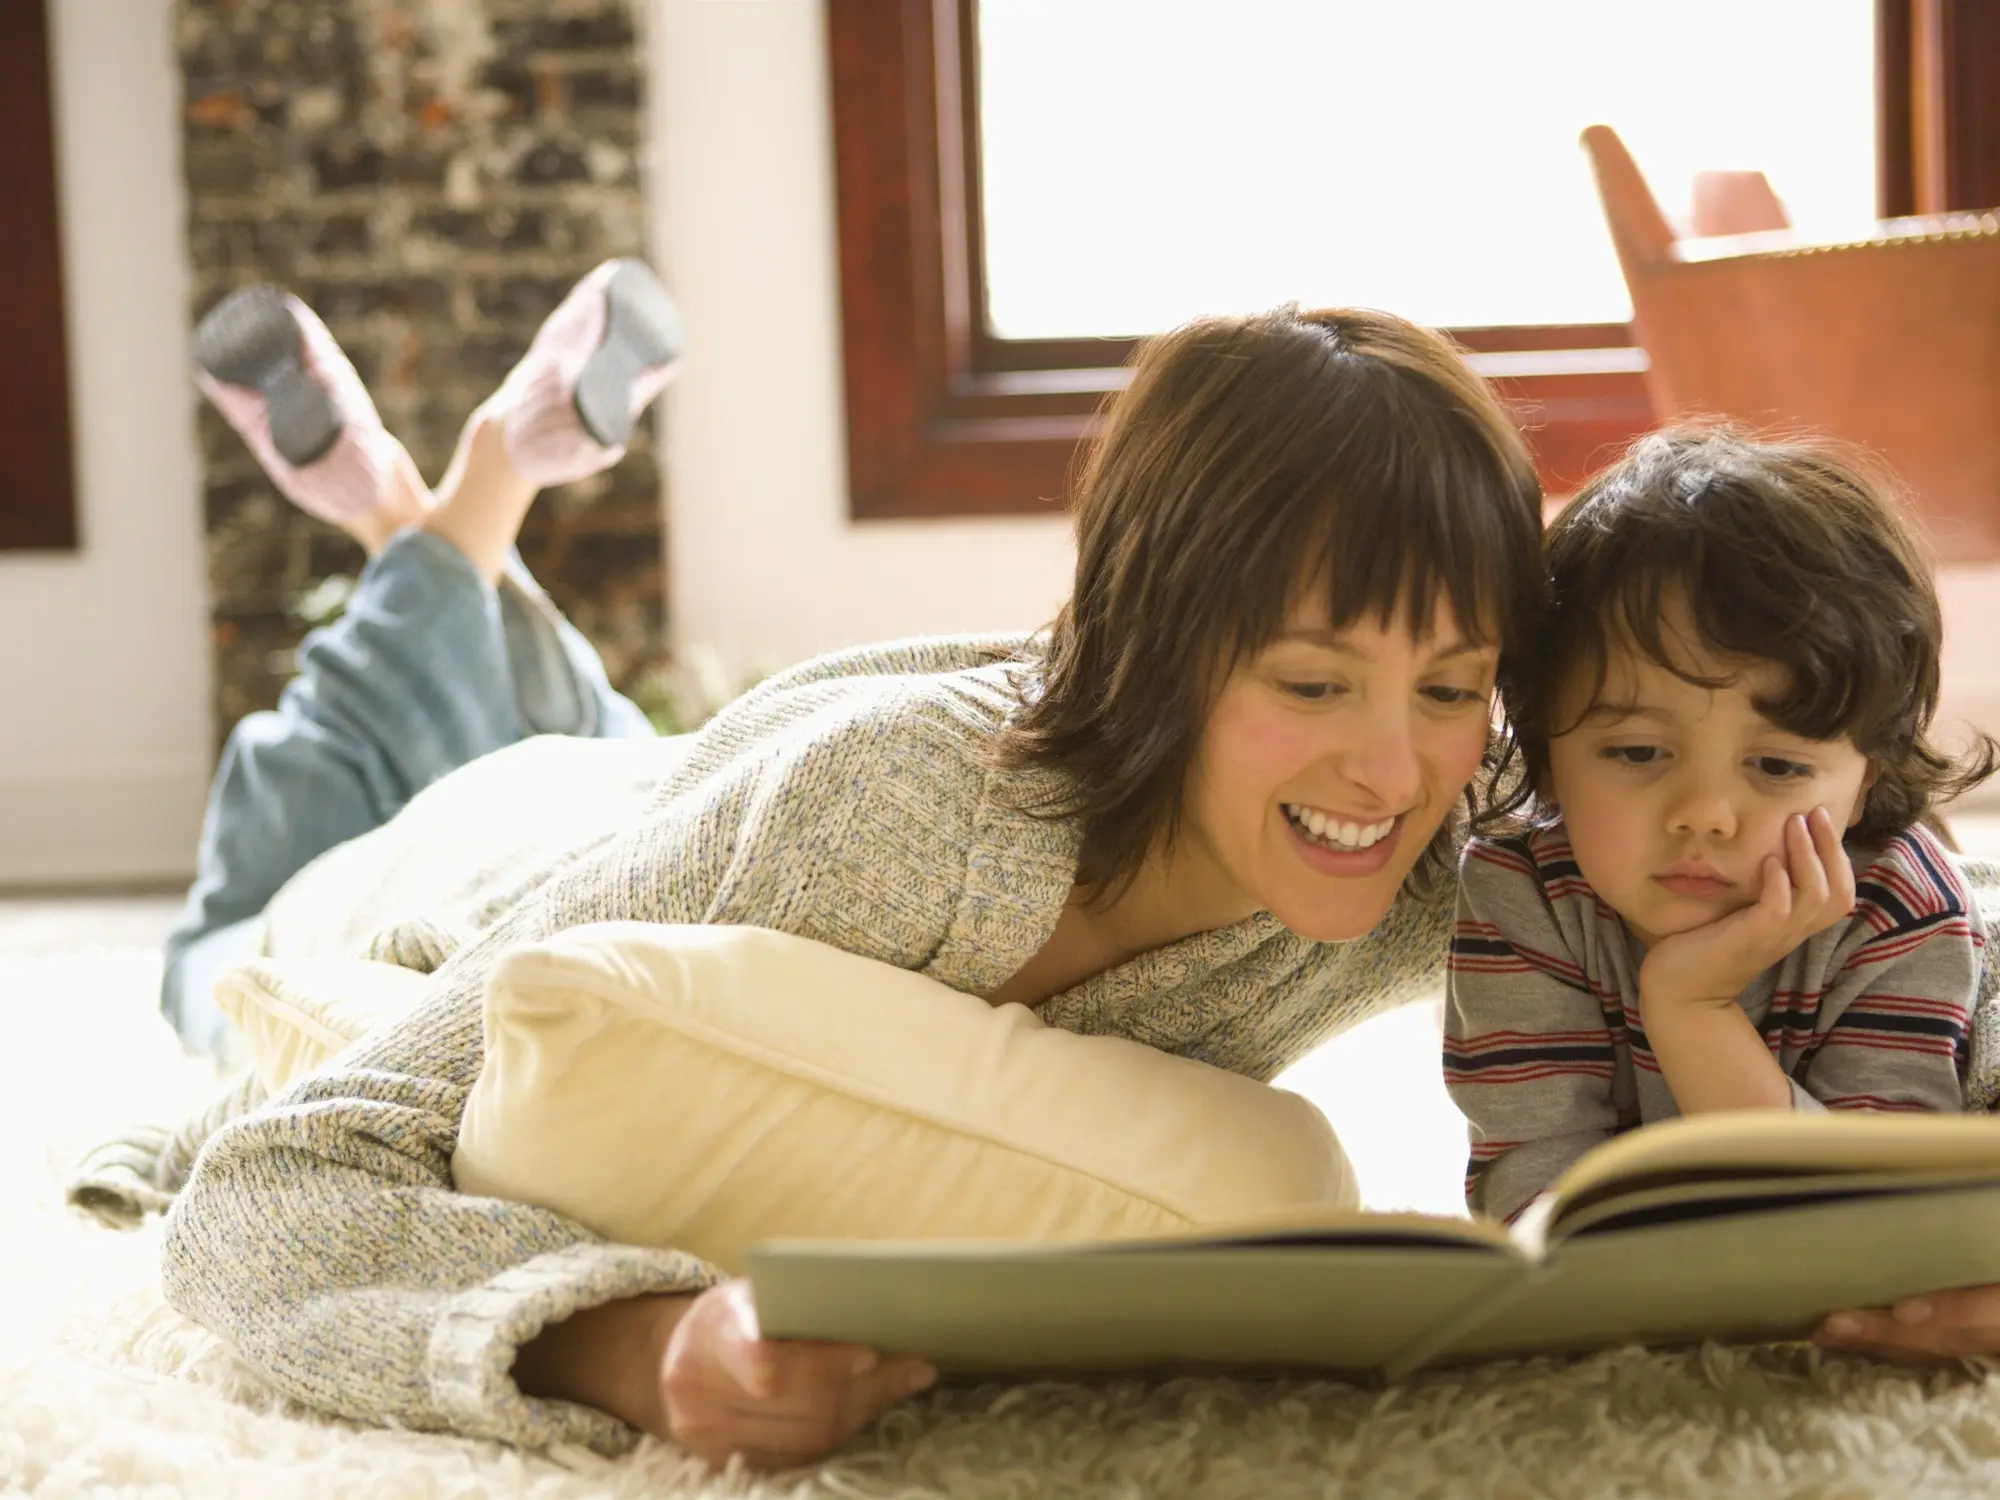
{"points": [[1938, 114], [37, 463], [944, 418]]}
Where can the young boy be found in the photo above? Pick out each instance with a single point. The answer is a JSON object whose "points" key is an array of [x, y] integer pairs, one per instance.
{"points": [[1725, 896]]}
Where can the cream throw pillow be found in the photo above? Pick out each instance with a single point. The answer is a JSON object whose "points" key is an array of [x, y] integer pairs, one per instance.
{"points": [[710, 1087], [295, 1013]]}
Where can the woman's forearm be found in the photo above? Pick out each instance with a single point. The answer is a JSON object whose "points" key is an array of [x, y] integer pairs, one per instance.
{"points": [[283, 1239], [607, 1357]]}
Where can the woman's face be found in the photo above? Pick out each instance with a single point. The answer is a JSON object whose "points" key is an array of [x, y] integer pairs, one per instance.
{"points": [[1328, 763]]}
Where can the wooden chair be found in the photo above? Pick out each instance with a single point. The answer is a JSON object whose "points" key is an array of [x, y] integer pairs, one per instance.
{"points": [[1890, 339]]}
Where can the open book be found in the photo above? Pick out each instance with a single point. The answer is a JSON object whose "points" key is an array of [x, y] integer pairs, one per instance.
{"points": [[1737, 1226]]}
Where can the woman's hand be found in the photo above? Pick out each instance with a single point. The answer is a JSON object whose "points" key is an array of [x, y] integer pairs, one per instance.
{"points": [[696, 1371], [1921, 1330], [726, 1389]]}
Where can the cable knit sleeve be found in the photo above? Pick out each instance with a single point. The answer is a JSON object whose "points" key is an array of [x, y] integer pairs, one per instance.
{"points": [[322, 1235]]}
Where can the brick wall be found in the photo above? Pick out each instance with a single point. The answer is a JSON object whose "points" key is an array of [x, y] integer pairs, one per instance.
{"points": [[430, 176]]}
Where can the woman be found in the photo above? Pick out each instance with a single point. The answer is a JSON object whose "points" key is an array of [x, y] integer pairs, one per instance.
{"points": [[1210, 809]]}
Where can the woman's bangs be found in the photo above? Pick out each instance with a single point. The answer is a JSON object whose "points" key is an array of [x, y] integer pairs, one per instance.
{"points": [[1434, 526]]}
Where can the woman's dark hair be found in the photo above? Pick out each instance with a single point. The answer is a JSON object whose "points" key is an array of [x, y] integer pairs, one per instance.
{"points": [[1794, 552], [1253, 461]]}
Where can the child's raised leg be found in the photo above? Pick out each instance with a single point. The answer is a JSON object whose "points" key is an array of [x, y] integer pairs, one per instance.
{"points": [[447, 649]]}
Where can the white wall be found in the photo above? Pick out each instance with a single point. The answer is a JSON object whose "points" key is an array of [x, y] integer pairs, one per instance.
{"points": [[104, 675], [1970, 597], [764, 564]]}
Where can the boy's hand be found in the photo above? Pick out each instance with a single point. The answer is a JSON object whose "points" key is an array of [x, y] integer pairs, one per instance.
{"points": [[1806, 891]]}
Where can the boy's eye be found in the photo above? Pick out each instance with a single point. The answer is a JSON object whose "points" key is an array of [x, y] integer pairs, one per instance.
{"points": [[1632, 755], [1779, 769]]}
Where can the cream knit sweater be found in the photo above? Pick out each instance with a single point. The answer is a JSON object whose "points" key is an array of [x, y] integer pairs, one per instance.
{"points": [[844, 801]]}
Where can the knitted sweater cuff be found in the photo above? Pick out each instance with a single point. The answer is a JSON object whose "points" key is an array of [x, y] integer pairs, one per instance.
{"points": [[117, 1182], [473, 1344]]}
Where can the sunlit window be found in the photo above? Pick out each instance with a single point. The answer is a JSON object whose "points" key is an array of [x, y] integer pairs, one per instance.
{"points": [[1145, 160]]}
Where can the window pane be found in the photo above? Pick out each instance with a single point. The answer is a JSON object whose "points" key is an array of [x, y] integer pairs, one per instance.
{"points": [[1146, 160]]}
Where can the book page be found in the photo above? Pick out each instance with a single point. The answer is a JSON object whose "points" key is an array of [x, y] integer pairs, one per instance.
{"points": [[1321, 1226], [1769, 1144], [1670, 1201], [1317, 1226]]}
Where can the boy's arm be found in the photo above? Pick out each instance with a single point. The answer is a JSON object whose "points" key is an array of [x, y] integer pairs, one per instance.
{"points": [[1528, 1054], [1713, 1057]]}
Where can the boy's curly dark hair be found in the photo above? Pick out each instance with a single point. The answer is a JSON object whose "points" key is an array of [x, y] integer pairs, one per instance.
{"points": [[1795, 552]]}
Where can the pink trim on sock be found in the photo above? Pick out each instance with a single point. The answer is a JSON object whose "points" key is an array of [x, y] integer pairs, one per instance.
{"points": [[546, 439], [350, 479]]}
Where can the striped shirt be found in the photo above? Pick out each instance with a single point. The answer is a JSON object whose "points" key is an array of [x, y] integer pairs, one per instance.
{"points": [[1546, 1055]]}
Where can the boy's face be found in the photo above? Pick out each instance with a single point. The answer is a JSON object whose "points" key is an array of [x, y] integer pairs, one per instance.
{"points": [[1673, 795]]}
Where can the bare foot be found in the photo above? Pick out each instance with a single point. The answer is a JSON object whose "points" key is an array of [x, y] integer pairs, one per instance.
{"points": [[483, 498]]}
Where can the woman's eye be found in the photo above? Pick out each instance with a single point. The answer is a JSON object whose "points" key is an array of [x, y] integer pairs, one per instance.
{"points": [[1313, 692], [1632, 755], [1454, 697], [1779, 769]]}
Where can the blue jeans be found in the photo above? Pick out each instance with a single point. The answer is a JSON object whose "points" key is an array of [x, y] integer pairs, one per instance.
{"points": [[428, 668]]}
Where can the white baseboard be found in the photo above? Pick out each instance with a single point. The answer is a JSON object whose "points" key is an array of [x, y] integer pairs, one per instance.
{"points": [[100, 828]]}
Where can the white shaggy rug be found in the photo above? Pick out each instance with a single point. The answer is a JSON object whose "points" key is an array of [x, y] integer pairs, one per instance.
{"points": [[105, 1391]]}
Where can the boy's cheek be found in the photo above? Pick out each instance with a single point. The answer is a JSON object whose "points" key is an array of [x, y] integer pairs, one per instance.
{"points": [[1768, 839]]}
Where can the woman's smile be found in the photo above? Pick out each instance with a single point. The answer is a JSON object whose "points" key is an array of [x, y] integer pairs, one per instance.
{"points": [[1347, 848], [1331, 828]]}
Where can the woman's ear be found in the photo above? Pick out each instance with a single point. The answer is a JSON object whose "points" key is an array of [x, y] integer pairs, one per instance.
{"points": [[1868, 779]]}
